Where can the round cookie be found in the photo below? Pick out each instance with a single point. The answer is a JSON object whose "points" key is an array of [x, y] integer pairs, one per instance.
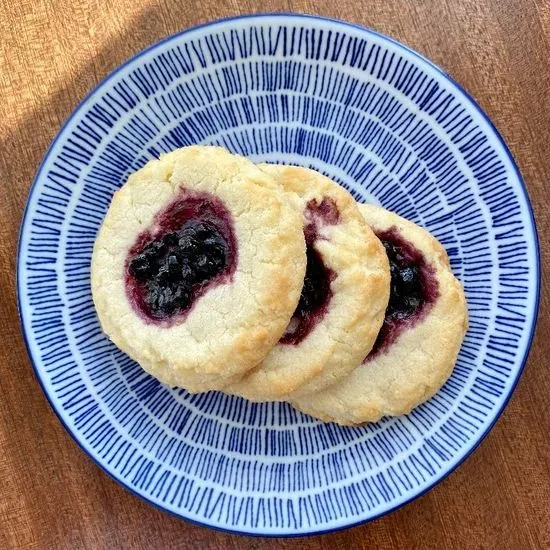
{"points": [[343, 299], [198, 267], [423, 329]]}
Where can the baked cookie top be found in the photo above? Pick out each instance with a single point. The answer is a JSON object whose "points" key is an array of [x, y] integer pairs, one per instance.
{"points": [[424, 326], [343, 299], [198, 267]]}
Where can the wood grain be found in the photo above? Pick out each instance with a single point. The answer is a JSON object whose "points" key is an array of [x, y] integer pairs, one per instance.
{"points": [[54, 51]]}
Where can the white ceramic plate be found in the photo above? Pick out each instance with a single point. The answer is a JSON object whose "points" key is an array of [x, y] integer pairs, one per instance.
{"points": [[386, 124]]}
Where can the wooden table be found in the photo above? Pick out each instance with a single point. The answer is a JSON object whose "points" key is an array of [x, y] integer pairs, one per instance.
{"points": [[51, 53]]}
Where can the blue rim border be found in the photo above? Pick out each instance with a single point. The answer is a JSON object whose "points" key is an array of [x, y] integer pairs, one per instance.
{"points": [[466, 95]]}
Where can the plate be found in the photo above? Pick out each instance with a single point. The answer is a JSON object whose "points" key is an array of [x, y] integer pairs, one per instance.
{"points": [[386, 124]]}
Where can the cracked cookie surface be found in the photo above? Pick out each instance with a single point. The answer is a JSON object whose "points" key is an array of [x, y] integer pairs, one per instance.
{"points": [[198, 267], [343, 299], [424, 326]]}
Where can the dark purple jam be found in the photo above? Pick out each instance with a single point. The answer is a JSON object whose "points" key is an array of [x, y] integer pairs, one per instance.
{"points": [[413, 288], [189, 249], [316, 292]]}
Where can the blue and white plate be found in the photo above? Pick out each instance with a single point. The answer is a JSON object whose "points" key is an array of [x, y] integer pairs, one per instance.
{"points": [[383, 122]]}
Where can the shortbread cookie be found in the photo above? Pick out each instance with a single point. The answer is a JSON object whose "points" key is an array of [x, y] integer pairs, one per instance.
{"points": [[343, 299], [198, 267], [423, 329]]}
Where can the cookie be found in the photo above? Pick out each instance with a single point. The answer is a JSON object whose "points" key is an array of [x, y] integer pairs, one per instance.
{"points": [[198, 267], [343, 299], [423, 329]]}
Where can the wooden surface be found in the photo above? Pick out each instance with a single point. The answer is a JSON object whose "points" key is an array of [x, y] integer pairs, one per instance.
{"points": [[54, 51]]}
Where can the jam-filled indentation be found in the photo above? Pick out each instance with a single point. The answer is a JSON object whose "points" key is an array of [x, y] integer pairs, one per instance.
{"points": [[189, 249], [413, 288], [314, 298], [316, 293]]}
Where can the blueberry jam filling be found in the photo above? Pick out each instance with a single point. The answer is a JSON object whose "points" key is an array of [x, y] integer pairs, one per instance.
{"points": [[171, 267], [324, 212], [314, 298], [316, 292], [413, 288], [318, 215], [190, 249]]}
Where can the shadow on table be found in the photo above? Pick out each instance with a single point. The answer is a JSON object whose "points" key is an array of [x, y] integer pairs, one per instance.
{"points": [[59, 476]]}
